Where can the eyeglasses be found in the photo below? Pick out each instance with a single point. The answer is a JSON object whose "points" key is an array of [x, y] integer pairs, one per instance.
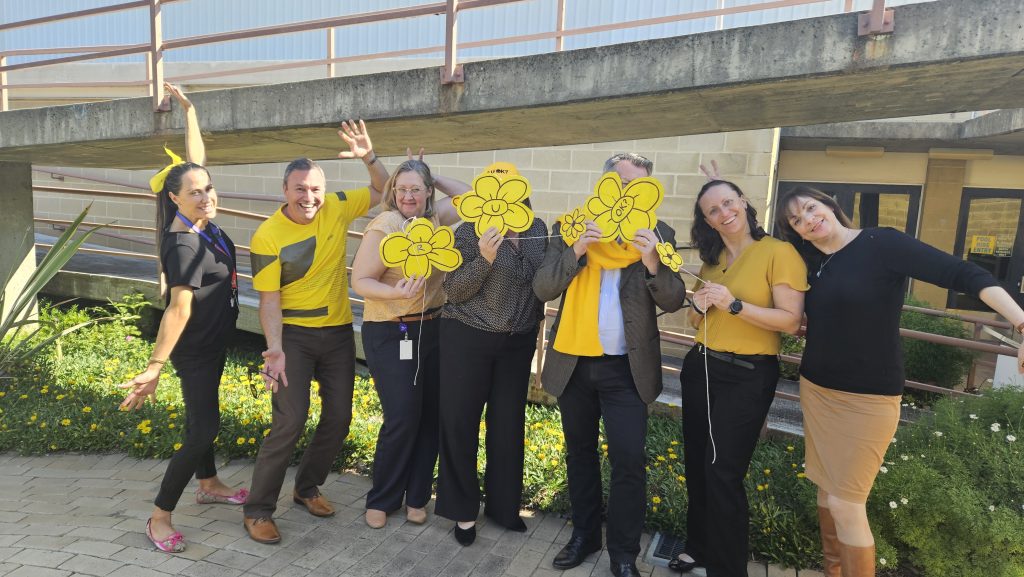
{"points": [[256, 386], [416, 191]]}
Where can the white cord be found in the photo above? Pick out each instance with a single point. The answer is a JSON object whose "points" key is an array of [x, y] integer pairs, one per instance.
{"points": [[707, 382], [419, 337]]}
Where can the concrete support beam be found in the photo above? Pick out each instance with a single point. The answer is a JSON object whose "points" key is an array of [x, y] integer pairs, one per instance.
{"points": [[943, 189], [17, 240]]}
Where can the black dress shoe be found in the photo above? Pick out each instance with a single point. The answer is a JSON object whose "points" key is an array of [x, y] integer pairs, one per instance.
{"points": [[574, 553], [625, 569], [465, 537], [681, 566]]}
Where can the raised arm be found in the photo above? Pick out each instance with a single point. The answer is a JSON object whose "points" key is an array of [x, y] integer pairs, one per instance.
{"points": [[359, 146], [195, 149]]}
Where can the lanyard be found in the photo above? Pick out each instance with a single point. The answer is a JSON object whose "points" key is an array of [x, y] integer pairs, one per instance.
{"points": [[220, 245]]}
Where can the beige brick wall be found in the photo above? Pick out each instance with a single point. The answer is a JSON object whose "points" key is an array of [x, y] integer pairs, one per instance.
{"points": [[561, 178]]}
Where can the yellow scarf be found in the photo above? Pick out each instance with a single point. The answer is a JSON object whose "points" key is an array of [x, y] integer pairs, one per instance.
{"points": [[578, 328]]}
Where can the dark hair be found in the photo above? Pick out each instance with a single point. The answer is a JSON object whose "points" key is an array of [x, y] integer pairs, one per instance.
{"points": [[706, 239], [420, 168], [302, 164], [165, 208], [807, 250]]}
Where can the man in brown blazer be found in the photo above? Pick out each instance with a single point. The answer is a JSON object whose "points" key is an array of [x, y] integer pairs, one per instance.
{"points": [[613, 374]]}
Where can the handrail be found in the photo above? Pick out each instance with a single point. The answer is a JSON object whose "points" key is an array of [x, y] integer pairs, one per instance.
{"points": [[51, 170], [871, 23]]}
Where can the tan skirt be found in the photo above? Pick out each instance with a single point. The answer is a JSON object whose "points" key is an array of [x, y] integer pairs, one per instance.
{"points": [[846, 436]]}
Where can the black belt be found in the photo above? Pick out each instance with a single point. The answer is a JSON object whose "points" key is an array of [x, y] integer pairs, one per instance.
{"points": [[745, 361]]}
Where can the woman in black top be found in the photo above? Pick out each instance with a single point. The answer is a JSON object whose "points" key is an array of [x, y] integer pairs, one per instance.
{"points": [[851, 375], [488, 338], [198, 262]]}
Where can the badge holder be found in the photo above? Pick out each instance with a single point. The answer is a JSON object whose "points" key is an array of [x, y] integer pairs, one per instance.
{"points": [[404, 345]]}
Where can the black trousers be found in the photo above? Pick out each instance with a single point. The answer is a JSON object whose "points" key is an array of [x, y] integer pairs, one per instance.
{"points": [[717, 519], [200, 374], [403, 464], [603, 387], [329, 355], [477, 368]]}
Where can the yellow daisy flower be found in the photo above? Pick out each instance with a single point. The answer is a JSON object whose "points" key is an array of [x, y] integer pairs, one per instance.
{"points": [[496, 203], [621, 212], [669, 257], [572, 225], [420, 249]]}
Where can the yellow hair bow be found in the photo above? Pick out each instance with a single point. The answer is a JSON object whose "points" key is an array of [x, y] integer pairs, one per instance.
{"points": [[156, 184]]}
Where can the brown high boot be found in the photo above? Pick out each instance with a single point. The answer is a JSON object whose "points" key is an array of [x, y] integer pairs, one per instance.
{"points": [[857, 561], [829, 543]]}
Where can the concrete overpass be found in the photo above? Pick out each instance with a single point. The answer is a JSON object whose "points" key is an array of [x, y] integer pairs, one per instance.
{"points": [[944, 56]]}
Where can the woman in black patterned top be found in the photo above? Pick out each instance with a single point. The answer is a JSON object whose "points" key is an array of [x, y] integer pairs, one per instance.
{"points": [[488, 338]]}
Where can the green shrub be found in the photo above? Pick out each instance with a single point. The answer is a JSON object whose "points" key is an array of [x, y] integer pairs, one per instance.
{"points": [[925, 362]]}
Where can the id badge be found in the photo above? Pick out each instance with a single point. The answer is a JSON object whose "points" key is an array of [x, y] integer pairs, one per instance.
{"points": [[405, 350]]}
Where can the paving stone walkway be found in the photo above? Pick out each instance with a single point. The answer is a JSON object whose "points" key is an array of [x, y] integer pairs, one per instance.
{"points": [[65, 515]]}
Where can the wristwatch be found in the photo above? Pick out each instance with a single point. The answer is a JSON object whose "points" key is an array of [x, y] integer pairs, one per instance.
{"points": [[735, 307]]}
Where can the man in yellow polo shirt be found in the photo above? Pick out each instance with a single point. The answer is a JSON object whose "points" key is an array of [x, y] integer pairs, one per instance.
{"points": [[298, 267]]}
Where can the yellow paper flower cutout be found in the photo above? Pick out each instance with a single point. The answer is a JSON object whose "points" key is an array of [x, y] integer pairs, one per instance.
{"points": [[420, 249], [669, 257], [496, 203], [622, 212], [572, 225]]}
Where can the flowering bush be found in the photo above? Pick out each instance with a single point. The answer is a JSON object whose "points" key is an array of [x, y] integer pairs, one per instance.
{"points": [[947, 501]]}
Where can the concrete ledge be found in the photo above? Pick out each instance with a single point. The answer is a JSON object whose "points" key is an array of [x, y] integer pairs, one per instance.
{"points": [[948, 55]]}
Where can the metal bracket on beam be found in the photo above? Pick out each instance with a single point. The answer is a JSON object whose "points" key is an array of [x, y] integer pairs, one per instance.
{"points": [[455, 78], [878, 21]]}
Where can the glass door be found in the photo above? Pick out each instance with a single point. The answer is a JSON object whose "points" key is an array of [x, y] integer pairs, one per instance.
{"points": [[988, 234]]}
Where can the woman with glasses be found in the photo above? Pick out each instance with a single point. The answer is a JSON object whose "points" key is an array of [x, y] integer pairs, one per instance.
{"points": [[851, 374], [753, 291], [403, 310], [489, 329], [197, 261]]}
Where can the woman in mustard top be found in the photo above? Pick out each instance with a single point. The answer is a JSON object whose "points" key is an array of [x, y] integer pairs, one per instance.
{"points": [[753, 291]]}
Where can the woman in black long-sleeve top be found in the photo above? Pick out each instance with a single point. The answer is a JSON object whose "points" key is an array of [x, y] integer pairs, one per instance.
{"points": [[851, 375], [488, 338]]}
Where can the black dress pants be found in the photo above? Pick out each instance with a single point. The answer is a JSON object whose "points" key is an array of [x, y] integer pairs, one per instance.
{"points": [[200, 373], [717, 519], [403, 463], [603, 387], [482, 368]]}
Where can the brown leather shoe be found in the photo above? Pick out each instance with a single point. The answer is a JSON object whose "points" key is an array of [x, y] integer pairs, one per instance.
{"points": [[262, 530], [318, 506]]}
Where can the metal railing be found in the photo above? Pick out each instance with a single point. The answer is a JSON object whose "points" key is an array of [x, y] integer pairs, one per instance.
{"points": [[877, 21]]}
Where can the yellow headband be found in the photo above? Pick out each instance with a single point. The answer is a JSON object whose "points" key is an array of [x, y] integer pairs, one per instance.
{"points": [[156, 184]]}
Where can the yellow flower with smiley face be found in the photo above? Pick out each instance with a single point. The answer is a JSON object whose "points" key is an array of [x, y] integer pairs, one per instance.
{"points": [[620, 212], [498, 203], [420, 249]]}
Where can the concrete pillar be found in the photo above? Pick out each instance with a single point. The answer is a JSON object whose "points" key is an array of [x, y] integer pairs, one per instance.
{"points": [[940, 209], [17, 241]]}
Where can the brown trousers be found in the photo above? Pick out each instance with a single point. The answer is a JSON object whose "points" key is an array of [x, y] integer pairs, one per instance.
{"points": [[328, 355]]}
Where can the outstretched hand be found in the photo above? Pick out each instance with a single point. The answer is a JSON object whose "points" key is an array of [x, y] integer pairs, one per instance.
{"points": [[357, 139], [143, 386]]}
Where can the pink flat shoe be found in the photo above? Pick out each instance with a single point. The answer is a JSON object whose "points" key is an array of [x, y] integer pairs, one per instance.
{"points": [[239, 498], [173, 544]]}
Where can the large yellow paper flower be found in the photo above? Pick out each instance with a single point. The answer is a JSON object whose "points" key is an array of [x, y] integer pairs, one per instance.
{"points": [[621, 212], [572, 225], [497, 203], [421, 249], [668, 256]]}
